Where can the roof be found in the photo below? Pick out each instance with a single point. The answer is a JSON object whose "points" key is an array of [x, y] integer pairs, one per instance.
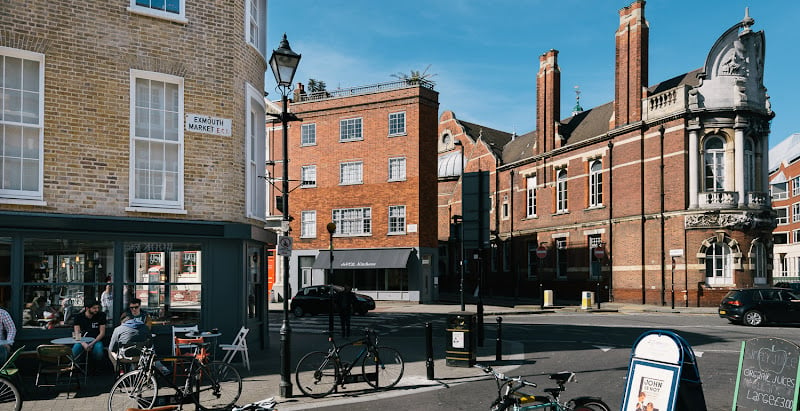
{"points": [[519, 148], [491, 136], [787, 150], [450, 164]]}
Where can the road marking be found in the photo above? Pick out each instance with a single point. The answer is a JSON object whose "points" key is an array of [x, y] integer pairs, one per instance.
{"points": [[603, 348]]}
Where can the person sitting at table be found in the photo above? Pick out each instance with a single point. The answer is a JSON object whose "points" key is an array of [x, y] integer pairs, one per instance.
{"points": [[91, 322], [130, 331], [135, 311]]}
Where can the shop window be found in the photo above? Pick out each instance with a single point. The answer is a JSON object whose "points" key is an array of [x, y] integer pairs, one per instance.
{"points": [[5, 272]]}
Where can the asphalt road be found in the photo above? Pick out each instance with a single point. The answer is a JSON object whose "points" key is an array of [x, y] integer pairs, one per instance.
{"points": [[597, 346]]}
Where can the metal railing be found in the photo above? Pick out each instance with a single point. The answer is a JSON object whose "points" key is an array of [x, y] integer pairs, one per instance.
{"points": [[372, 88]]}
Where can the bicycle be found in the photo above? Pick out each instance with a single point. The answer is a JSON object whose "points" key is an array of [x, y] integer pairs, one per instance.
{"points": [[10, 396], [319, 373], [215, 385], [510, 398]]}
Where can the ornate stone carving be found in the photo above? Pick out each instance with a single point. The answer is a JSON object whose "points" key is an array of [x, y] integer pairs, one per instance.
{"points": [[732, 221]]}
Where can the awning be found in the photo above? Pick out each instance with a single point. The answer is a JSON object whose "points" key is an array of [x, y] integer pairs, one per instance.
{"points": [[364, 259]]}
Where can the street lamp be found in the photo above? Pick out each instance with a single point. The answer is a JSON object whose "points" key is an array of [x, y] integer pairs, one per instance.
{"points": [[331, 227], [461, 254], [284, 65]]}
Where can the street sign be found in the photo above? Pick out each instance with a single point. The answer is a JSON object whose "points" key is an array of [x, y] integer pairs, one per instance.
{"points": [[676, 253], [285, 246], [599, 252], [541, 252]]}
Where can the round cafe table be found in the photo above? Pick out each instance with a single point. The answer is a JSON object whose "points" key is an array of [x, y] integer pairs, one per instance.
{"points": [[210, 335], [71, 341]]}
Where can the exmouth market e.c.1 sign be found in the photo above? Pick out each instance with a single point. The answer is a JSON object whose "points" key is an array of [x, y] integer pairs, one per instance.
{"points": [[199, 123]]}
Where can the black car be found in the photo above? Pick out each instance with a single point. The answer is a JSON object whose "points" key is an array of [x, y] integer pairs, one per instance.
{"points": [[317, 300], [794, 286], [757, 306]]}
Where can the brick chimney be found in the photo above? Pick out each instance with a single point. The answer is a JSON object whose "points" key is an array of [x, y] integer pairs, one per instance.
{"points": [[548, 101], [631, 64]]}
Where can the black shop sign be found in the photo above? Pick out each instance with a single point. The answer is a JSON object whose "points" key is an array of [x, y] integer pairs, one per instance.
{"points": [[768, 374]]}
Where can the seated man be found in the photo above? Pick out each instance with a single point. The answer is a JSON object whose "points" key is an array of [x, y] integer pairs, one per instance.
{"points": [[132, 330], [135, 311], [90, 323]]}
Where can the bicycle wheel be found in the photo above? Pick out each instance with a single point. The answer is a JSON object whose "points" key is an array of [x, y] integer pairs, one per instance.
{"points": [[133, 390], [9, 396], [316, 375], [217, 386], [594, 405], [382, 367]]}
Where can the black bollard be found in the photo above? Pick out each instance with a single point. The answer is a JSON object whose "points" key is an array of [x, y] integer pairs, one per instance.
{"points": [[498, 348], [480, 323], [429, 349]]}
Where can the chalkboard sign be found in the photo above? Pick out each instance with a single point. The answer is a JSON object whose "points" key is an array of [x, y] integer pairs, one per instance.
{"points": [[767, 377]]}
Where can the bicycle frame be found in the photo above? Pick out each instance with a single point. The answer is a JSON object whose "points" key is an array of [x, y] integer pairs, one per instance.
{"points": [[345, 377], [182, 394]]}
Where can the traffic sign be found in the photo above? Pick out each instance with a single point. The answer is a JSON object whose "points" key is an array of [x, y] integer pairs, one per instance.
{"points": [[541, 252], [285, 246], [599, 252]]}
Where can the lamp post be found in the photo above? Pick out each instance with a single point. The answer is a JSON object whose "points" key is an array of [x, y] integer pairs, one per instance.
{"points": [[331, 227], [284, 65], [461, 253]]}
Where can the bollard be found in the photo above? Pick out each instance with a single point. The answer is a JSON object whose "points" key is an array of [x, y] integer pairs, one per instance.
{"points": [[480, 323], [498, 348], [429, 349]]}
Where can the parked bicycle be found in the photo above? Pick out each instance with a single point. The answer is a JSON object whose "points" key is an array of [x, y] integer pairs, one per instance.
{"points": [[510, 398], [10, 397], [214, 385], [320, 373]]}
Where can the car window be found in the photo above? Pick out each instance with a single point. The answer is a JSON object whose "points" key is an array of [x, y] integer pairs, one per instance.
{"points": [[770, 295], [789, 295], [756, 295], [311, 291]]}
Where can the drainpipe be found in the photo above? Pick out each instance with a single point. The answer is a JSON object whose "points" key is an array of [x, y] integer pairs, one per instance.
{"points": [[610, 245], [511, 233], [643, 256], [663, 252]]}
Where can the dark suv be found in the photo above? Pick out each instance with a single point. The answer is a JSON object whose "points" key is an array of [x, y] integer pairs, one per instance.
{"points": [[757, 306], [317, 300]]}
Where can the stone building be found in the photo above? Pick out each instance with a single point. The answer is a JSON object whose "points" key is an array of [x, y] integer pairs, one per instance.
{"points": [[134, 139]]}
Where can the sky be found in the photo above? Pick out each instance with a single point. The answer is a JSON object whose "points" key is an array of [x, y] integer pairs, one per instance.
{"points": [[483, 55]]}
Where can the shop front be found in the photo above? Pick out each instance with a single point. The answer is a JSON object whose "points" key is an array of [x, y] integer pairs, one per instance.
{"points": [[383, 274]]}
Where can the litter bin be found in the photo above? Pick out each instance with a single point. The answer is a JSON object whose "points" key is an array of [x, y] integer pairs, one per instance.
{"points": [[587, 299], [461, 339]]}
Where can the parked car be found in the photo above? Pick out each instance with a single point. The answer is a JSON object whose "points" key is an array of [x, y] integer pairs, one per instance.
{"points": [[317, 300], [794, 286], [757, 306]]}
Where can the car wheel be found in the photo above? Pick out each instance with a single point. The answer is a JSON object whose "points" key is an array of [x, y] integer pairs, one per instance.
{"points": [[753, 318], [298, 311]]}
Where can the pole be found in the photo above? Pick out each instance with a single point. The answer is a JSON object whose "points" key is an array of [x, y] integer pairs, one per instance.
{"points": [[672, 279], [429, 350], [286, 330], [463, 263], [330, 292], [498, 346]]}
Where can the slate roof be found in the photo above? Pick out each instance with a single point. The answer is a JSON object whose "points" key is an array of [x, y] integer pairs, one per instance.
{"points": [[787, 150]]}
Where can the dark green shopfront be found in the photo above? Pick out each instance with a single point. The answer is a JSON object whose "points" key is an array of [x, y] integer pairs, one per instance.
{"points": [[212, 274]]}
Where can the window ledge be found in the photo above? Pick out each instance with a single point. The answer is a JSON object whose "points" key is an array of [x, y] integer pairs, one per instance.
{"points": [[351, 184], [135, 209], [143, 11], [397, 233], [352, 235], [309, 186], [396, 181], [595, 207], [531, 217], [20, 201], [397, 135], [561, 212]]}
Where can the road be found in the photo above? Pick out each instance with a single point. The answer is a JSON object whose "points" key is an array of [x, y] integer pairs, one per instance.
{"points": [[597, 346]]}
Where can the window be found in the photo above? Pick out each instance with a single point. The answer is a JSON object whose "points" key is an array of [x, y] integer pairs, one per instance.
{"points": [[782, 216], [505, 208], [308, 176], [718, 264], [759, 263], [533, 261], [561, 191], [714, 164], [795, 212], [779, 191], [749, 166], [530, 196], [780, 238], [595, 183], [157, 140], [397, 219], [351, 173], [397, 169], [350, 129], [256, 154], [795, 186], [796, 236], [783, 270], [397, 123], [255, 24], [353, 221], [308, 224], [595, 264], [561, 257], [173, 10], [21, 124], [308, 134]]}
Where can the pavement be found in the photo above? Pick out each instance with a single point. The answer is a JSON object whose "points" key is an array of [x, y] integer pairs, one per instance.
{"points": [[264, 379]]}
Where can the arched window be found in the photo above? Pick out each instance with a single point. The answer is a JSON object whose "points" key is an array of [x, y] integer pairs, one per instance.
{"points": [[714, 164], [595, 183], [749, 166], [561, 191], [718, 264], [446, 139]]}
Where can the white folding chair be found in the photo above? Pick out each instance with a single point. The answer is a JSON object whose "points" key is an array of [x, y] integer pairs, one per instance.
{"points": [[239, 345], [181, 332]]}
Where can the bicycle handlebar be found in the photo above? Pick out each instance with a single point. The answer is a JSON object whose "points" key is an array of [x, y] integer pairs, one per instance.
{"points": [[502, 377]]}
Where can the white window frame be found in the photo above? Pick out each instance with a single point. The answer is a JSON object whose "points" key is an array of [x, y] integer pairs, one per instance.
{"points": [[714, 165], [397, 169], [397, 219], [147, 205], [719, 264], [33, 129], [351, 173], [255, 25], [749, 166], [351, 129], [308, 134], [595, 183], [796, 236], [161, 14], [779, 195], [795, 186], [561, 191], [398, 122], [352, 222], [308, 176], [255, 130], [308, 224], [530, 196], [782, 220], [796, 212]]}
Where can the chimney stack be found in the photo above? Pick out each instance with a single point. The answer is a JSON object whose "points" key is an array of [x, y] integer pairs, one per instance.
{"points": [[631, 64], [548, 101]]}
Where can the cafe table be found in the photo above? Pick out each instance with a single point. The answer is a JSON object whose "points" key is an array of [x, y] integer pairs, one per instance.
{"points": [[213, 336], [71, 341]]}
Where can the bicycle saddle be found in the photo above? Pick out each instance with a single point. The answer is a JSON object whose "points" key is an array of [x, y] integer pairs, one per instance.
{"points": [[563, 377]]}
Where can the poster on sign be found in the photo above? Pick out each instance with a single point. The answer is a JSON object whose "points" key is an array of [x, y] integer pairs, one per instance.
{"points": [[651, 387]]}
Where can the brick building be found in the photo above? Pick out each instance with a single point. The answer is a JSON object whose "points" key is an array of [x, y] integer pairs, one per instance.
{"points": [[361, 158], [133, 145], [676, 168], [784, 180]]}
